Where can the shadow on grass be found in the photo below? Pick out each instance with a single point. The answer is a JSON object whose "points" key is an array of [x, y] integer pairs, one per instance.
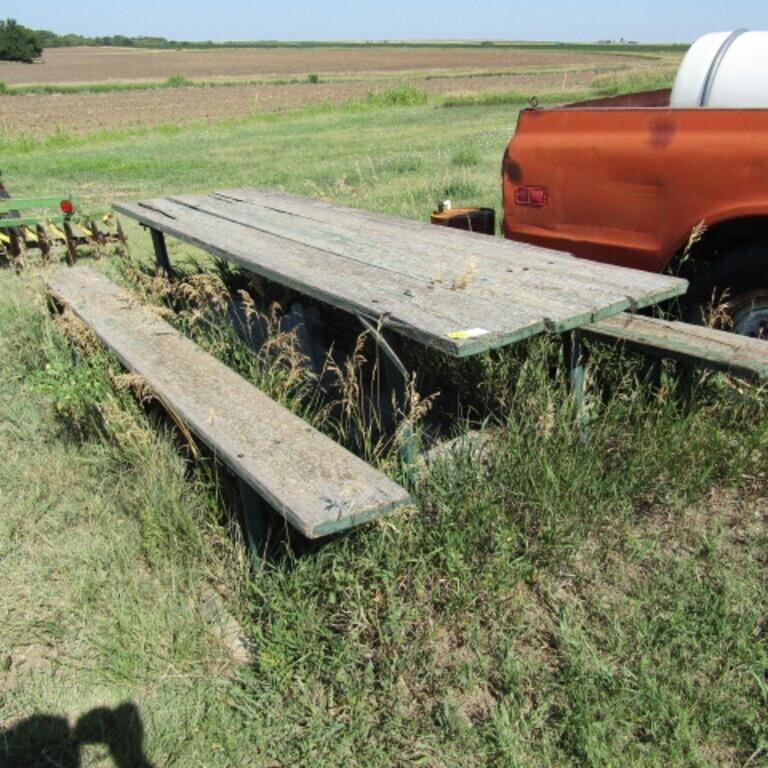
{"points": [[46, 740]]}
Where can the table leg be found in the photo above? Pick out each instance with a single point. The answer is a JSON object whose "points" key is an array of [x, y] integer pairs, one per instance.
{"points": [[161, 253], [573, 350]]}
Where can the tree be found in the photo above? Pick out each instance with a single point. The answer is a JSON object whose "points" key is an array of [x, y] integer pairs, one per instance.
{"points": [[17, 43]]}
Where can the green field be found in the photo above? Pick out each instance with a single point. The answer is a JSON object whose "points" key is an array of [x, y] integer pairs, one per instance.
{"points": [[559, 603]]}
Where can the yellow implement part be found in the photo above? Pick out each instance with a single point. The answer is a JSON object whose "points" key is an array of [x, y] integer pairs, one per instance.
{"points": [[77, 230], [4, 238], [30, 236]]}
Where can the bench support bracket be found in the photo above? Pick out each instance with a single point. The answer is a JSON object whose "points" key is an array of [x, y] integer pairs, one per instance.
{"points": [[396, 379], [256, 516]]}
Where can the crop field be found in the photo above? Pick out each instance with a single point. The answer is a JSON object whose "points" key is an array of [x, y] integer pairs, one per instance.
{"points": [[87, 65], [83, 90], [554, 602]]}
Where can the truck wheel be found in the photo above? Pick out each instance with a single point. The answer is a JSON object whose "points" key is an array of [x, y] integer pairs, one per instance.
{"points": [[732, 293]]}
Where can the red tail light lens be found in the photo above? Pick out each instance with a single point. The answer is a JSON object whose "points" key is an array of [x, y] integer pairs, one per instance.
{"points": [[66, 207], [535, 197]]}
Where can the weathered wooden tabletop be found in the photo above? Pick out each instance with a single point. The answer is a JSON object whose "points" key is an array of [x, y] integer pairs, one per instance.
{"points": [[456, 291]]}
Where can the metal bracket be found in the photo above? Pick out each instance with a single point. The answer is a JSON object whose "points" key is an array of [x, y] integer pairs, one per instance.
{"points": [[256, 516], [397, 378]]}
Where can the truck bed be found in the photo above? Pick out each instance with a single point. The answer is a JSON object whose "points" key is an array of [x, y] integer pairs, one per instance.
{"points": [[626, 179]]}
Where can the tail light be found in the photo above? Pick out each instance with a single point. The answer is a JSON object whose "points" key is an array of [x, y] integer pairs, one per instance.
{"points": [[67, 208], [535, 197]]}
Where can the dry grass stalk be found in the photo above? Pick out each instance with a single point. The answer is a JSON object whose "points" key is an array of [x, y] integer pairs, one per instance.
{"points": [[249, 306], [349, 383], [281, 353], [718, 313], [416, 406], [199, 294], [123, 427], [77, 332], [696, 234], [465, 278], [144, 393]]}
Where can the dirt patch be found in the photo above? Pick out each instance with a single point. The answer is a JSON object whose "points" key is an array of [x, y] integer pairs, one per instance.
{"points": [[344, 74], [89, 65], [42, 114]]}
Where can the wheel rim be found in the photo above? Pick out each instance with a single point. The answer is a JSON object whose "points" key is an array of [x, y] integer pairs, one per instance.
{"points": [[748, 314]]}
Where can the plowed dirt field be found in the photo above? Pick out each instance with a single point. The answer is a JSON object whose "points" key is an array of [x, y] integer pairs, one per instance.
{"points": [[344, 74], [88, 65]]}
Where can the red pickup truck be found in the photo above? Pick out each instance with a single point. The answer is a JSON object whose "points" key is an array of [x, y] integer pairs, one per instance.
{"points": [[632, 181]]}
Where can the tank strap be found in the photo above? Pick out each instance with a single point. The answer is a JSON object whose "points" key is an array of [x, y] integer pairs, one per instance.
{"points": [[709, 81]]}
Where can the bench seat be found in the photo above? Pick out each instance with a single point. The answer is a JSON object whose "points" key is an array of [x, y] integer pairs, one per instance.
{"points": [[314, 483], [685, 342]]}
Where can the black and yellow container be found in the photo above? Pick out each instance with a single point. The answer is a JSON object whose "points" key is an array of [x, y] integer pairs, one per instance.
{"points": [[481, 220]]}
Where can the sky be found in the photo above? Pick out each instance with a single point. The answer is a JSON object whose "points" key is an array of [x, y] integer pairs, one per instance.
{"points": [[564, 20]]}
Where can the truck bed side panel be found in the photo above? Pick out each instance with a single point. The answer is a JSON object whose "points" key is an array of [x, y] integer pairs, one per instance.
{"points": [[628, 185]]}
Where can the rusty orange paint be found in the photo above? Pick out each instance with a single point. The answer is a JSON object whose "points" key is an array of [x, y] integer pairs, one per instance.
{"points": [[628, 178]]}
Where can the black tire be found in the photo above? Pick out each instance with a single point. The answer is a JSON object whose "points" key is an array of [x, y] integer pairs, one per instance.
{"points": [[732, 292]]}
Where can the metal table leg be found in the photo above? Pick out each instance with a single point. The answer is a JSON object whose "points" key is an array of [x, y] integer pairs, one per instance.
{"points": [[161, 253]]}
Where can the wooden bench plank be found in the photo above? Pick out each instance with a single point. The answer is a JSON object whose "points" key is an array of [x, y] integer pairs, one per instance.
{"points": [[686, 342], [316, 484]]}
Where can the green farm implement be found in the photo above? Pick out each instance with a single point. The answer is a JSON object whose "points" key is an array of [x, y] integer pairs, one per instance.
{"points": [[48, 222]]}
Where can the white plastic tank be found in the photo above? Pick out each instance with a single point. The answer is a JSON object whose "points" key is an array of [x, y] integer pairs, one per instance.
{"points": [[724, 70]]}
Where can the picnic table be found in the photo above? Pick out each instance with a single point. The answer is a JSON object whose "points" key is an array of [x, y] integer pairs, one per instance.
{"points": [[455, 291]]}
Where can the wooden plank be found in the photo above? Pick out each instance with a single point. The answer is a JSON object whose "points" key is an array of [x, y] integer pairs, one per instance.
{"points": [[686, 342], [519, 257], [317, 485], [405, 305], [525, 284], [369, 263], [487, 282], [551, 282]]}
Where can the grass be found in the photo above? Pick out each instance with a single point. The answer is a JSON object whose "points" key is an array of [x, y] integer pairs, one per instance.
{"points": [[179, 81], [555, 603], [635, 80]]}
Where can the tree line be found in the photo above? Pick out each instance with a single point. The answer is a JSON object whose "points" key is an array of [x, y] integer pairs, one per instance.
{"points": [[17, 43]]}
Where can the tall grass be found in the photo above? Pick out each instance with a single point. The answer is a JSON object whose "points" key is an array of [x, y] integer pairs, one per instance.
{"points": [[533, 609], [634, 80]]}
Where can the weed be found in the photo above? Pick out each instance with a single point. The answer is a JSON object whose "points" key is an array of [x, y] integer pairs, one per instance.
{"points": [[401, 96], [465, 157], [176, 81], [459, 189]]}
